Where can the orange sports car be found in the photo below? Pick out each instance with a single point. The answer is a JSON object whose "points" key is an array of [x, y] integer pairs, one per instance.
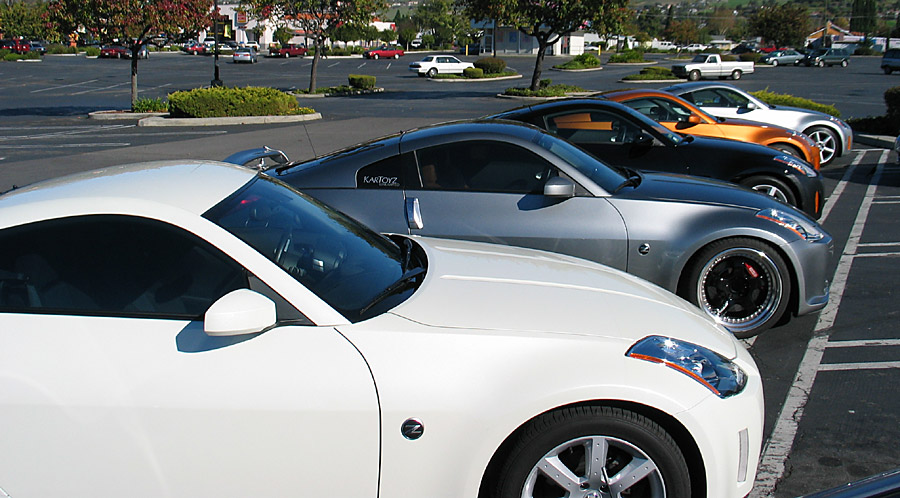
{"points": [[681, 116]]}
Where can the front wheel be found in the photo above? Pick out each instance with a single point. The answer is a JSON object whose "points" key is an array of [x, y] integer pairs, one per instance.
{"points": [[432, 72], [375, 56], [396, 56], [593, 451], [774, 62], [742, 283], [287, 55], [844, 63], [694, 75], [773, 187], [887, 70], [736, 74], [826, 140]]}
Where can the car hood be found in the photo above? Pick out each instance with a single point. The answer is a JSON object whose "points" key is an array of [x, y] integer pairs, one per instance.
{"points": [[508, 289], [697, 190]]}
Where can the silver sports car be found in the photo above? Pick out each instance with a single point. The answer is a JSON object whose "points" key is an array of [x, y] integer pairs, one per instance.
{"points": [[743, 257], [833, 136]]}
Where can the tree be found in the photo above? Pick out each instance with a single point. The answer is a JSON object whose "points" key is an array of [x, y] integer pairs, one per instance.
{"points": [[546, 21], [315, 18], [863, 16], [783, 25], [721, 21], [683, 32], [129, 22], [22, 19]]}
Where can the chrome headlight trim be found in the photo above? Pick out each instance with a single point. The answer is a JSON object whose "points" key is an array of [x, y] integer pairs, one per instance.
{"points": [[808, 231], [715, 372], [799, 165]]}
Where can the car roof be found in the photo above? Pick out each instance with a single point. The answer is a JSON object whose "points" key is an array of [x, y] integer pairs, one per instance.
{"points": [[193, 186], [698, 85]]}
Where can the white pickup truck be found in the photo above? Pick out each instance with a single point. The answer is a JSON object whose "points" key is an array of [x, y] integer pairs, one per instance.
{"points": [[711, 66]]}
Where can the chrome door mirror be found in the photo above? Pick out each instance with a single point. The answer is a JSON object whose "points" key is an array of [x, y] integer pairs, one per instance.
{"points": [[559, 187]]}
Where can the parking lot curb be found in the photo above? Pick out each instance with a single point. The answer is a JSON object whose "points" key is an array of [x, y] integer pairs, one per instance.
{"points": [[880, 141], [227, 121]]}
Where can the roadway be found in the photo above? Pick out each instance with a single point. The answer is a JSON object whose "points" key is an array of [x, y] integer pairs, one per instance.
{"points": [[831, 412]]}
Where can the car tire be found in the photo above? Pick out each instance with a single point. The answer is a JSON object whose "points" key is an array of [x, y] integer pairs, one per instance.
{"points": [[375, 56], [565, 437], [773, 187], [788, 149], [396, 56], [844, 63], [820, 64], [693, 75], [774, 62], [887, 70], [736, 74], [827, 140], [286, 55], [742, 283], [432, 72]]}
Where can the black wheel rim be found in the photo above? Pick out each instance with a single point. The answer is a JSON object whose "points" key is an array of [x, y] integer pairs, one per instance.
{"points": [[740, 288]]}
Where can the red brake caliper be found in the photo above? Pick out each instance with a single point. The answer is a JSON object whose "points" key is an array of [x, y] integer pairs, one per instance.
{"points": [[751, 270]]}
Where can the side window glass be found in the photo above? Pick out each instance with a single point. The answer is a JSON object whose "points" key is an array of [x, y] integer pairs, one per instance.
{"points": [[112, 265], [483, 166], [734, 99], [706, 98], [592, 127], [384, 174]]}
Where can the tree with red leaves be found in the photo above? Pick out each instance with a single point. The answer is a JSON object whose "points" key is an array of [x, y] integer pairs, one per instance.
{"points": [[316, 18], [130, 23]]}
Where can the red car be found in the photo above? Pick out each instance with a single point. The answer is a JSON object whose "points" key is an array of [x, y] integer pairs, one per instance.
{"points": [[14, 45], [383, 51], [288, 51], [195, 48], [114, 51]]}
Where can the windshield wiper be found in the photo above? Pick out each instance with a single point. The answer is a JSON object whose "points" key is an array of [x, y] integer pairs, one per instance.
{"points": [[403, 283]]}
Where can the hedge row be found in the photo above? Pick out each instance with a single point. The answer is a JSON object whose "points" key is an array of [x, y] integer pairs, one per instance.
{"points": [[222, 102], [789, 100]]}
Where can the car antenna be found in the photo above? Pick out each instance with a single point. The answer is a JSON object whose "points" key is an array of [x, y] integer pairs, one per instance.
{"points": [[311, 145]]}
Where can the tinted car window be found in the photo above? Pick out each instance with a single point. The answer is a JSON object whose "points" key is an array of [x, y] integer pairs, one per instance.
{"points": [[716, 98], [112, 265], [660, 109], [380, 175], [482, 165]]}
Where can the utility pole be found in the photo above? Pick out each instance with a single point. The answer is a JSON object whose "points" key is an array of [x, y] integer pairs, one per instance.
{"points": [[216, 81]]}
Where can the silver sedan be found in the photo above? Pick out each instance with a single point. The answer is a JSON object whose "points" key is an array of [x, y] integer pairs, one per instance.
{"points": [[746, 259], [833, 136]]}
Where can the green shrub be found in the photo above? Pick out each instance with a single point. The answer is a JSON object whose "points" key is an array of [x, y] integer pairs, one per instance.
{"points": [[222, 101], [4, 52], [865, 51], [491, 65], [544, 91], [56, 48], [627, 56], [583, 61], [362, 81], [92, 51], [751, 57], [473, 72], [12, 57], [149, 105], [789, 100], [888, 124], [652, 73], [892, 100], [545, 83]]}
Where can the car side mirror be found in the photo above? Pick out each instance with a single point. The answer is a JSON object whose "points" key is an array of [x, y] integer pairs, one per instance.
{"points": [[750, 106], [694, 119], [239, 312], [643, 139], [559, 187]]}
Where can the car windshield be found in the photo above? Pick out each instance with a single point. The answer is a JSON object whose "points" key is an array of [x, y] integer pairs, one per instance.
{"points": [[347, 265], [605, 176], [699, 58]]}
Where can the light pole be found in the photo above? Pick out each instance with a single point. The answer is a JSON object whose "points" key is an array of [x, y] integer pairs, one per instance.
{"points": [[216, 81]]}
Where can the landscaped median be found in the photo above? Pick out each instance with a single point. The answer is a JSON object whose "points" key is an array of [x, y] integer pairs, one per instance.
{"points": [[219, 106]]}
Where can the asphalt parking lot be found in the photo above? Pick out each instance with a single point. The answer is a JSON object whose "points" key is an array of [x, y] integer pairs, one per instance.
{"points": [[831, 413]]}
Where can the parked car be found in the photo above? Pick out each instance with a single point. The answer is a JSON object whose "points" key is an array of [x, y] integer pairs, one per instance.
{"points": [[620, 136], [712, 66], [744, 258], [833, 136], [417, 43], [114, 51], [884, 485], [681, 116], [432, 65], [195, 48], [384, 52], [251, 44], [288, 51], [16, 45], [890, 61], [827, 57], [695, 47], [228, 316], [245, 54], [782, 57], [37, 46]]}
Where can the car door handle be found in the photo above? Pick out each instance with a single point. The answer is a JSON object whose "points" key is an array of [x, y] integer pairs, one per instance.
{"points": [[413, 213]]}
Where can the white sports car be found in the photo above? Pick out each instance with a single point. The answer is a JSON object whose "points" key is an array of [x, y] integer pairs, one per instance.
{"points": [[432, 65], [198, 329]]}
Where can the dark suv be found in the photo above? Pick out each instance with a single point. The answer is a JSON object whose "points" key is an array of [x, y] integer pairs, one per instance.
{"points": [[890, 61], [827, 57]]}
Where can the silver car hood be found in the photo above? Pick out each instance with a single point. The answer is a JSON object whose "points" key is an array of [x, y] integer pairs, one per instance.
{"points": [[471, 285]]}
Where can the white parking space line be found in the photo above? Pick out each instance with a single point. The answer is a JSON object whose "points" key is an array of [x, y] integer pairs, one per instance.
{"points": [[66, 132], [839, 188], [89, 90], [875, 365], [335, 64], [66, 146], [361, 65], [778, 447], [62, 86], [863, 343]]}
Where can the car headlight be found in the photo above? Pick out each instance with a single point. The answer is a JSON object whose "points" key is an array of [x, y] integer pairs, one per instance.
{"points": [[799, 165], [717, 373], [808, 231]]}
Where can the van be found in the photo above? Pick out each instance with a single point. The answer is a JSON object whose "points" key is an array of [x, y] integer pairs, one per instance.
{"points": [[827, 57], [890, 61]]}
